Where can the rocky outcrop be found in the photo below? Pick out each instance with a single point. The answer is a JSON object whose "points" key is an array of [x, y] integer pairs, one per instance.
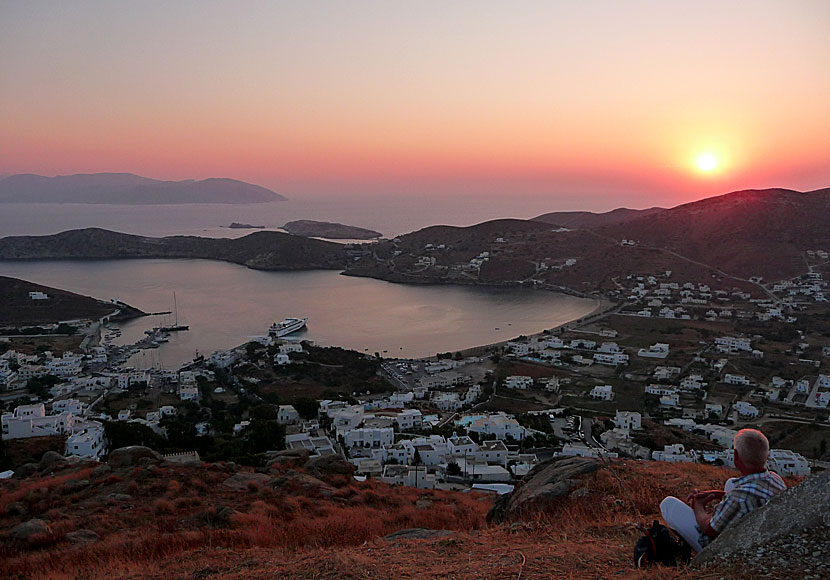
{"points": [[787, 521], [133, 455], [546, 482]]}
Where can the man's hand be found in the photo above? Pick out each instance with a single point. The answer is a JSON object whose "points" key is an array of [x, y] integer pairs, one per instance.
{"points": [[707, 497]]}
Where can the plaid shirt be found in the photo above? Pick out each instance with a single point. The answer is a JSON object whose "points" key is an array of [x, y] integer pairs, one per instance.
{"points": [[750, 492]]}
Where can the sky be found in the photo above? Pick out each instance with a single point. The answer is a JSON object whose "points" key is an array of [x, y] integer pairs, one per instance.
{"points": [[594, 103]]}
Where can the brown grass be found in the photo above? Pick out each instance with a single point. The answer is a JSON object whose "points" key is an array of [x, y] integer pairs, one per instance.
{"points": [[173, 527]]}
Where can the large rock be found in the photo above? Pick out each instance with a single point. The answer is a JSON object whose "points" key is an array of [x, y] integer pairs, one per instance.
{"points": [[28, 529], [242, 481], [790, 513], [126, 456], [547, 481], [329, 465], [50, 459]]}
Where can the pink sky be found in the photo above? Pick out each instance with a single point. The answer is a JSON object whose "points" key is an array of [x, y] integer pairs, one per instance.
{"points": [[610, 100]]}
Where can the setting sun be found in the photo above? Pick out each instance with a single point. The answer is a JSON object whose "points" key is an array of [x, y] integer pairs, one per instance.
{"points": [[707, 162]]}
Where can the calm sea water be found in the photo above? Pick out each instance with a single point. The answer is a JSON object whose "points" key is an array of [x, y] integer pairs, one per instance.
{"points": [[226, 304], [391, 216]]}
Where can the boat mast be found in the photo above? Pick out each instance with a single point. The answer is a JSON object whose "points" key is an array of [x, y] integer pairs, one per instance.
{"points": [[175, 309]]}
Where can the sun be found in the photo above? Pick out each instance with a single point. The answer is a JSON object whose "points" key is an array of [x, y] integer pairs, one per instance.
{"points": [[707, 162]]}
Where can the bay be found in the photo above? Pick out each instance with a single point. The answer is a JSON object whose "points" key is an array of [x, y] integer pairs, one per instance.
{"points": [[227, 304]]}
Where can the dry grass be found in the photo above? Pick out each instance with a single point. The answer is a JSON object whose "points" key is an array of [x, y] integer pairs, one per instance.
{"points": [[174, 526]]}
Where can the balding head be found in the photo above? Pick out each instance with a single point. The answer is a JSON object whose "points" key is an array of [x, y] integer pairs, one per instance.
{"points": [[752, 448]]}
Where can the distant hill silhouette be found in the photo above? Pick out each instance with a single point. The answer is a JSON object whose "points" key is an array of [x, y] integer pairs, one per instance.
{"points": [[590, 220], [128, 189], [755, 232]]}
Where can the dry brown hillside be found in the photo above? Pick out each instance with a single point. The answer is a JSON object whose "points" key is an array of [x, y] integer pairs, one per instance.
{"points": [[157, 520]]}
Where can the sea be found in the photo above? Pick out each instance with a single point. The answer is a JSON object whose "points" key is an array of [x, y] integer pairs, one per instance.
{"points": [[226, 305]]}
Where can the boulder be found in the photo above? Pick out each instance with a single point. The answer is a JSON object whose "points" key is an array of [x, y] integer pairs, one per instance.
{"points": [[126, 456], [790, 513], [417, 534], [329, 465], [546, 482], [83, 537], [28, 529], [241, 481], [50, 459]]}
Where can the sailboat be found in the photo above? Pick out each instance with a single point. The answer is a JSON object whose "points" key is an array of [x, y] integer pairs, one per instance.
{"points": [[176, 326]]}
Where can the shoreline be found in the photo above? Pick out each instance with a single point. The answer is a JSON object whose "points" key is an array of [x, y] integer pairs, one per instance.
{"points": [[603, 307]]}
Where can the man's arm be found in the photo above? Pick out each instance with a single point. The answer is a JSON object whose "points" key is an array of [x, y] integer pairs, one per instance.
{"points": [[702, 518]]}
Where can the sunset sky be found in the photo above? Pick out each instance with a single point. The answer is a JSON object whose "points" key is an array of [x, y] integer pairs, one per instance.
{"points": [[614, 100]]}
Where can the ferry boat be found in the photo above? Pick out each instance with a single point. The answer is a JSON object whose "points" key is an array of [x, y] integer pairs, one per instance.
{"points": [[287, 326]]}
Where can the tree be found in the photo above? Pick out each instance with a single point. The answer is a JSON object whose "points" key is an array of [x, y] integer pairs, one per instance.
{"points": [[265, 435], [453, 468], [307, 408]]}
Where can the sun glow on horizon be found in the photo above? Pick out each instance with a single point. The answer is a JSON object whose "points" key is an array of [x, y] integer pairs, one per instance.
{"points": [[707, 162]]}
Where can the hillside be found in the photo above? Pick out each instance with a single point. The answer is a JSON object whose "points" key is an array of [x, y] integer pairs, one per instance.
{"points": [[744, 233], [589, 220], [148, 518], [128, 189], [329, 230], [16, 308], [723, 240], [259, 250]]}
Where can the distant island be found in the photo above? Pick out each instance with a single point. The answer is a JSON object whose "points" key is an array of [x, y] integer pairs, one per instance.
{"points": [[129, 189], [239, 226], [329, 230]]}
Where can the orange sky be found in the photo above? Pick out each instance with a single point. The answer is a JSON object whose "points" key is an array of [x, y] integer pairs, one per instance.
{"points": [[613, 100]]}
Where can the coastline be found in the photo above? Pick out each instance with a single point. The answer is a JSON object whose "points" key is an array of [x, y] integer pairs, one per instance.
{"points": [[603, 307]]}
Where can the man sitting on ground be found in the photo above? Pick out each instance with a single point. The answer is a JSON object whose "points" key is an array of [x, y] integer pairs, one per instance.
{"points": [[741, 495]]}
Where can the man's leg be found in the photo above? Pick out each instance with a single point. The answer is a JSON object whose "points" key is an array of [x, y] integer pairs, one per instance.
{"points": [[681, 518]]}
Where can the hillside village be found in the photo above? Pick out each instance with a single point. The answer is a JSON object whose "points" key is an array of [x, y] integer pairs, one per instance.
{"points": [[668, 372]]}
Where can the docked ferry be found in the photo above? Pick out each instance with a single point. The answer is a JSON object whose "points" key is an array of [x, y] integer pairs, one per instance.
{"points": [[287, 326]]}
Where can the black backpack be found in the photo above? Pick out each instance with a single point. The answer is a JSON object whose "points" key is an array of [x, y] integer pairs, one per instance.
{"points": [[660, 546]]}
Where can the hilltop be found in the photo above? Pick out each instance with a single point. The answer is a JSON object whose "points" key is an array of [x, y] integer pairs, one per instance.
{"points": [[260, 250], [590, 220], [128, 189], [141, 516]]}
